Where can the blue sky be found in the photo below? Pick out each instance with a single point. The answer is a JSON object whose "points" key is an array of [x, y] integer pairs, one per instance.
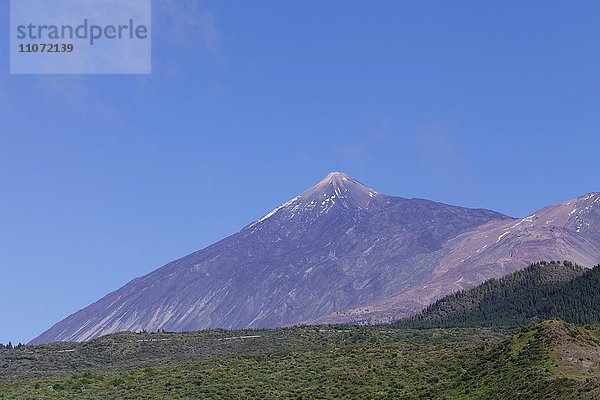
{"points": [[104, 178]]}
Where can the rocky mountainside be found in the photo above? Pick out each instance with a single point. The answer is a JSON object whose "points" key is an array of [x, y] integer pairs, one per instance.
{"points": [[338, 252], [565, 231], [336, 246]]}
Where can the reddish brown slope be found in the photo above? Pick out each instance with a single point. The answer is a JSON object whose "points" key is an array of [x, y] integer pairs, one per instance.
{"points": [[566, 231]]}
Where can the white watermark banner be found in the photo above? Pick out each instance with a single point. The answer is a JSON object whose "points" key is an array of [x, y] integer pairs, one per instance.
{"points": [[80, 37]]}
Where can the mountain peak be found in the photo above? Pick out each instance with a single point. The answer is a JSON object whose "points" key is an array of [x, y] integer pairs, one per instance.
{"points": [[336, 191], [340, 188], [337, 178], [338, 252], [340, 181]]}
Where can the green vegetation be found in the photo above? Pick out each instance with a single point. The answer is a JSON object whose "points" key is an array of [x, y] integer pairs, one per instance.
{"points": [[10, 346], [538, 292], [532, 364], [349, 362], [550, 359]]}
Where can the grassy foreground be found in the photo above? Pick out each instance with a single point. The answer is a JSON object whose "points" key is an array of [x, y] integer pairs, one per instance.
{"points": [[550, 360]]}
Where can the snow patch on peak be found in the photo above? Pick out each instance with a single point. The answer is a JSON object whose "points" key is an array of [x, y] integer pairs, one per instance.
{"points": [[335, 190], [501, 236], [590, 196], [573, 211], [274, 211]]}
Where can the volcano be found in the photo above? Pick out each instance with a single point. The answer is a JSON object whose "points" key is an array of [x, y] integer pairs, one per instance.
{"points": [[338, 252]]}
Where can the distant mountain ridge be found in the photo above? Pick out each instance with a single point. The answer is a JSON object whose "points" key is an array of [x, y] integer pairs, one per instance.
{"points": [[541, 291], [326, 255], [565, 231]]}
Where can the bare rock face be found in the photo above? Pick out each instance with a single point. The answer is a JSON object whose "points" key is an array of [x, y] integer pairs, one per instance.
{"points": [[338, 252]]}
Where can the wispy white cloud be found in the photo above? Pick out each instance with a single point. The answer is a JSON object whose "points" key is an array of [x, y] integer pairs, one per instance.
{"points": [[438, 149], [357, 152], [210, 33], [353, 155], [185, 25], [72, 90]]}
